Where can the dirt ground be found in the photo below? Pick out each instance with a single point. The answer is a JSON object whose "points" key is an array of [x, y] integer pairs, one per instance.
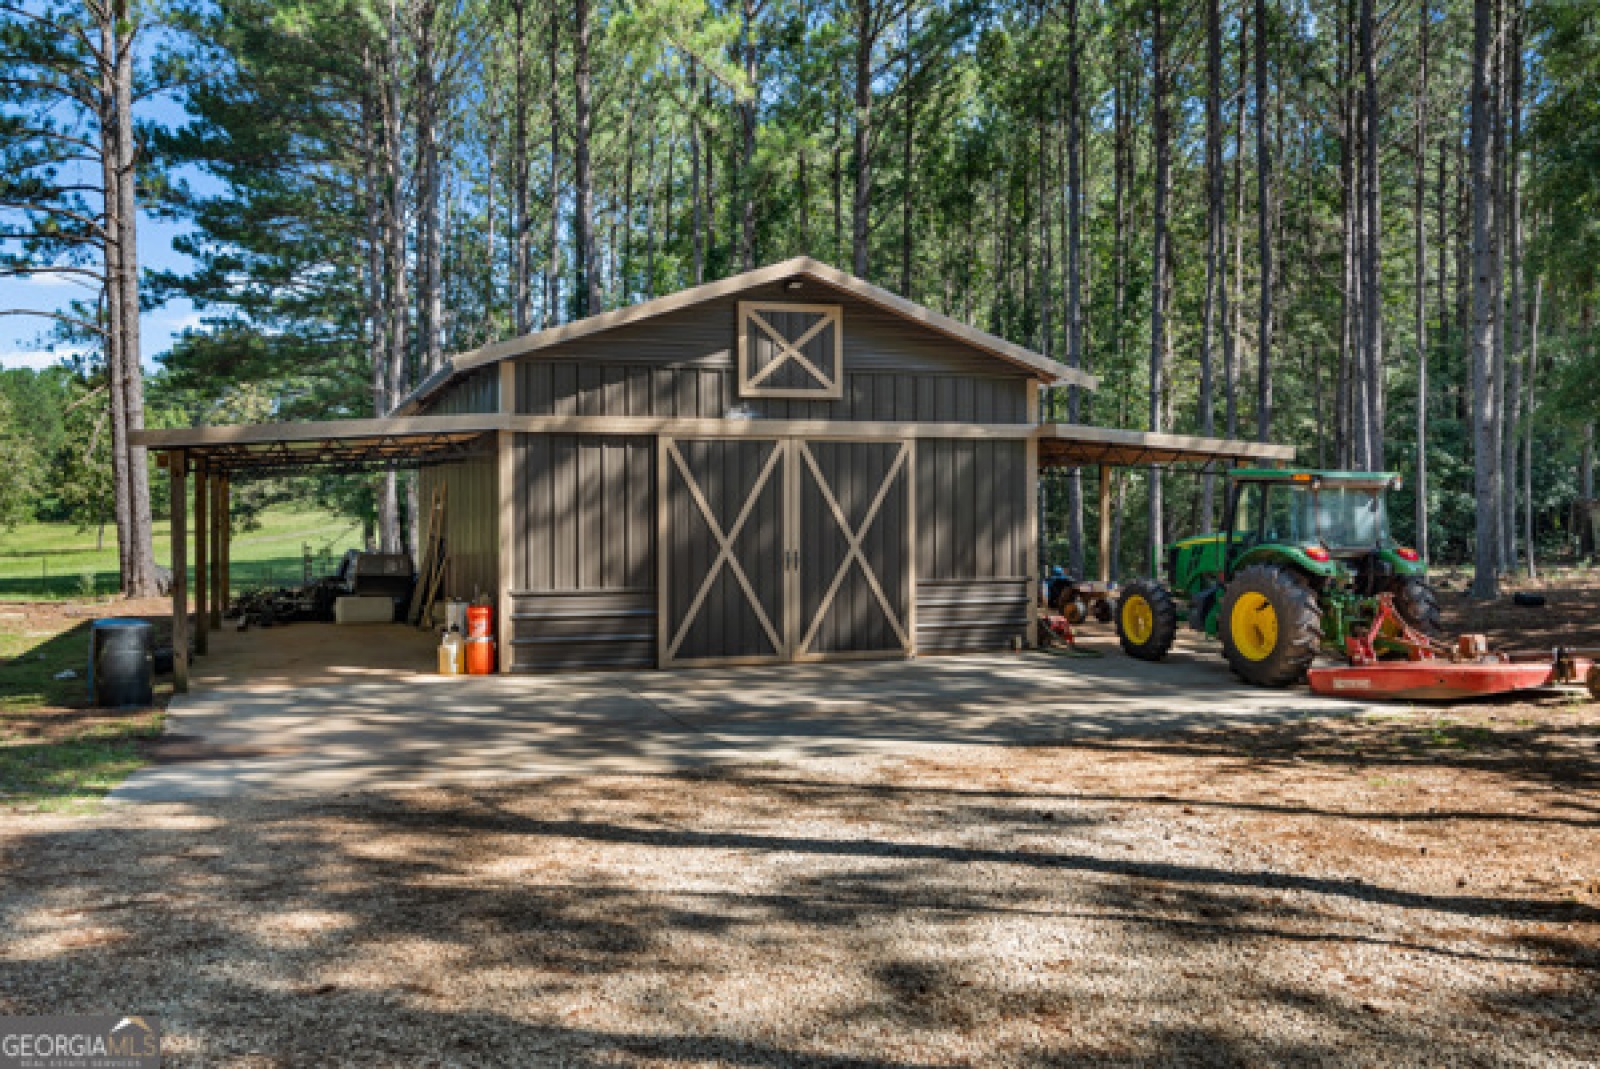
{"points": [[1416, 889]]}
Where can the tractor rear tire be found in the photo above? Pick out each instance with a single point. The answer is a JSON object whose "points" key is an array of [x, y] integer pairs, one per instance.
{"points": [[1418, 606], [1270, 625], [1147, 620]]}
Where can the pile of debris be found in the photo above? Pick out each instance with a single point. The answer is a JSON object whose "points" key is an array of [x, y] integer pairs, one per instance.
{"points": [[360, 574]]}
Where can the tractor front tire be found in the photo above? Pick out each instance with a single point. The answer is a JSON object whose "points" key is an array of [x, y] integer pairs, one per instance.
{"points": [[1147, 620], [1271, 626], [1418, 606]]}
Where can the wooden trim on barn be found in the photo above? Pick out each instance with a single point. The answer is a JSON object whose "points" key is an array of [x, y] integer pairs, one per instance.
{"points": [[508, 388], [1031, 533], [1074, 445], [760, 428], [319, 431], [1061, 444], [507, 498], [830, 379]]}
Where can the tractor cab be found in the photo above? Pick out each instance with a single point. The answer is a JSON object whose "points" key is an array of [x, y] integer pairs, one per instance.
{"points": [[1332, 525]]}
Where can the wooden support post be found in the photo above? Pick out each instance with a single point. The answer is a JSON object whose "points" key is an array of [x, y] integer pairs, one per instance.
{"points": [[225, 522], [177, 463], [219, 593], [1031, 461], [506, 443], [1105, 523], [201, 548]]}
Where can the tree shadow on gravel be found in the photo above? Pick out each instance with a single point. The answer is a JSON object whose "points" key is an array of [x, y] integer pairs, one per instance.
{"points": [[570, 923]]}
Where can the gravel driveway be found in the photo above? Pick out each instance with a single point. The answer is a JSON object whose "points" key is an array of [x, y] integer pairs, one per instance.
{"points": [[1342, 892]]}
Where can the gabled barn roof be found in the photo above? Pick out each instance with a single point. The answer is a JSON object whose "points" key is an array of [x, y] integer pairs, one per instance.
{"points": [[1046, 370]]}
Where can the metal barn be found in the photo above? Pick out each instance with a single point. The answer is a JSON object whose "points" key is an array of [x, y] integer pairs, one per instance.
{"points": [[791, 464]]}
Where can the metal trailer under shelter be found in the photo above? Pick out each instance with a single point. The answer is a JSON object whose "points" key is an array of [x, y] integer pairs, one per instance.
{"points": [[786, 465]]}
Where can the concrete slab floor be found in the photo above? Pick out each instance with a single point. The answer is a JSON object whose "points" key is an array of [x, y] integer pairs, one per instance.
{"points": [[311, 708]]}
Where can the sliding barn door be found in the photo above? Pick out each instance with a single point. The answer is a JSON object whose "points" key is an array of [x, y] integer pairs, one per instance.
{"points": [[779, 549], [852, 533], [723, 559]]}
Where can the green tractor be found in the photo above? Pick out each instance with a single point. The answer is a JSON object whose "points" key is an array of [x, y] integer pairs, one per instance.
{"points": [[1297, 568]]}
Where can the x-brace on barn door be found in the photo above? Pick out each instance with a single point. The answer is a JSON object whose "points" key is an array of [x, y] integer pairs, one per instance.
{"points": [[777, 549]]}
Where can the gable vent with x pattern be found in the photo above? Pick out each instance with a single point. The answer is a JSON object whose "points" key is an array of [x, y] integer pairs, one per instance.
{"points": [[791, 350]]}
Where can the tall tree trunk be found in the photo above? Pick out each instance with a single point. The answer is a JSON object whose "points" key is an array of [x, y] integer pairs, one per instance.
{"points": [[1235, 323], [1586, 464], [710, 184], [397, 272], [488, 328], [1485, 417], [650, 213], [627, 289], [1263, 232], [836, 178], [1214, 240], [1497, 277], [1442, 227], [552, 262], [588, 263], [1346, 410], [522, 236], [429, 251], [1074, 277], [139, 580], [697, 239], [375, 194], [1419, 147], [669, 212], [861, 207], [110, 163], [1512, 406], [1046, 261], [907, 151], [1123, 167], [1372, 245], [1527, 433], [1158, 268], [747, 141]]}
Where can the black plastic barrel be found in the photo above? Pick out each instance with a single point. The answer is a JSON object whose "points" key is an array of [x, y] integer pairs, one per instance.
{"points": [[121, 663]]}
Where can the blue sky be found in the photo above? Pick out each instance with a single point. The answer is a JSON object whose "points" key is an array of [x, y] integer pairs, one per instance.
{"points": [[25, 340]]}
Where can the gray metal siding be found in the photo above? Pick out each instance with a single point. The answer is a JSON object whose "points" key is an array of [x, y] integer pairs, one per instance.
{"points": [[955, 615], [583, 568], [567, 388], [578, 629], [585, 505], [476, 392], [471, 523], [972, 544], [682, 365], [972, 508]]}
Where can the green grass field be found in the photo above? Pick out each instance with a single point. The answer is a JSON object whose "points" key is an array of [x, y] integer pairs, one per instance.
{"points": [[50, 560]]}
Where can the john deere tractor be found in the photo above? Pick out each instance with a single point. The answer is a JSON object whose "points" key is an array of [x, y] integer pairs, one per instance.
{"points": [[1297, 568]]}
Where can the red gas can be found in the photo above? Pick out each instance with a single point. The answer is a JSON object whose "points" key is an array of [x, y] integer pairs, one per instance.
{"points": [[480, 656]]}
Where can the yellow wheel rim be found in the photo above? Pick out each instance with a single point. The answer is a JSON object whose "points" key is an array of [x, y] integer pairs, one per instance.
{"points": [[1138, 619], [1254, 626]]}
